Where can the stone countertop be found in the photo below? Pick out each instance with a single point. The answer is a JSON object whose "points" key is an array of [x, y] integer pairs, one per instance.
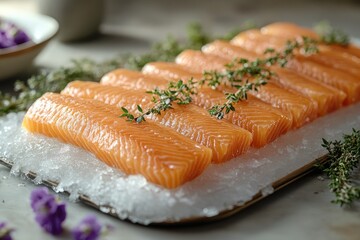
{"points": [[300, 211]]}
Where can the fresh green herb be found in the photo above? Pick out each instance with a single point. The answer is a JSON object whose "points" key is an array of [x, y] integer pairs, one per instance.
{"points": [[53, 81], [177, 92], [88, 70], [167, 50], [242, 74], [344, 158], [330, 35], [239, 78], [247, 75]]}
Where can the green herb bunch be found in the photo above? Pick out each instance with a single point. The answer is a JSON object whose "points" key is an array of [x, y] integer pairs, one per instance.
{"points": [[344, 158], [53, 81]]}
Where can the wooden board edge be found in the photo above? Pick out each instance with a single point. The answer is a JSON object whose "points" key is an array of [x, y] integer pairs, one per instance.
{"points": [[277, 185]]}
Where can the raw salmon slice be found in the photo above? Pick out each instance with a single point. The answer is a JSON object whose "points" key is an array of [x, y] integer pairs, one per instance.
{"points": [[326, 98], [175, 71], [228, 51], [226, 140], [290, 30], [256, 42], [170, 70], [301, 108], [264, 124], [121, 75], [161, 156], [347, 83], [328, 55]]}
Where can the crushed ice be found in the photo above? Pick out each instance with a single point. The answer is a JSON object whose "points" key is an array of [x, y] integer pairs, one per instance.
{"points": [[219, 188]]}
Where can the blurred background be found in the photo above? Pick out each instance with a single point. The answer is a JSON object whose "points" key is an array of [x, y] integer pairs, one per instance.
{"points": [[132, 26]]}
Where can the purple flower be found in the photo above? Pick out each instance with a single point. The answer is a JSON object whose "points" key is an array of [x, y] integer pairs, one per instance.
{"points": [[88, 229], [5, 232], [11, 35], [49, 214]]}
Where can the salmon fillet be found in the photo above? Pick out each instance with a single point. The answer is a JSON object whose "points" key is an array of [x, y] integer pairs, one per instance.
{"points": [[290, 30], [161, 156], [254, 41], [170, 70], [225, 139], [327, 55], [173, 71], [118, 76], [326, 98], [301, 108], [265, 125]]}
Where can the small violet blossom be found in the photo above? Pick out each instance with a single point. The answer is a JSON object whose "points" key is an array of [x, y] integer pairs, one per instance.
{"points": [[11, 35], [49, 213], [5, 232], [88, 229]]}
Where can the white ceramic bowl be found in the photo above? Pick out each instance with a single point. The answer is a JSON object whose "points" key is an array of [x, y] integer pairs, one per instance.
{"points": [[40, 28]]}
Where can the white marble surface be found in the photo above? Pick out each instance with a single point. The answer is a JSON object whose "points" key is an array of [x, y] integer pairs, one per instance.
{"points": [[301, 211]]}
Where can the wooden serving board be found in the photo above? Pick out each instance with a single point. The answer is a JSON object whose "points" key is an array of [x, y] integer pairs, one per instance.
{"points": [[221, 191], [279, 184]]}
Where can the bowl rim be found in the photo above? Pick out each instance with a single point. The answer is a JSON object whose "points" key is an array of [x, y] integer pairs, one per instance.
{"points": [[30, 46]]}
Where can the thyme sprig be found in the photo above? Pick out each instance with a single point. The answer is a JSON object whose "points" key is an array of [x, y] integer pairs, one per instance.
{"points": [[242, 74], [241, 79], [251, 75], [344, 158], [331, 35], [177, 92]]}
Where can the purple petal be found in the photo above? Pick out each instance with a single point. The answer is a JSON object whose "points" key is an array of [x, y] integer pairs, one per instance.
{"points": [[45, 206], [61, 212], [53, 225], [5, 232], [37, 195], [88, 229], [21, 37]]}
